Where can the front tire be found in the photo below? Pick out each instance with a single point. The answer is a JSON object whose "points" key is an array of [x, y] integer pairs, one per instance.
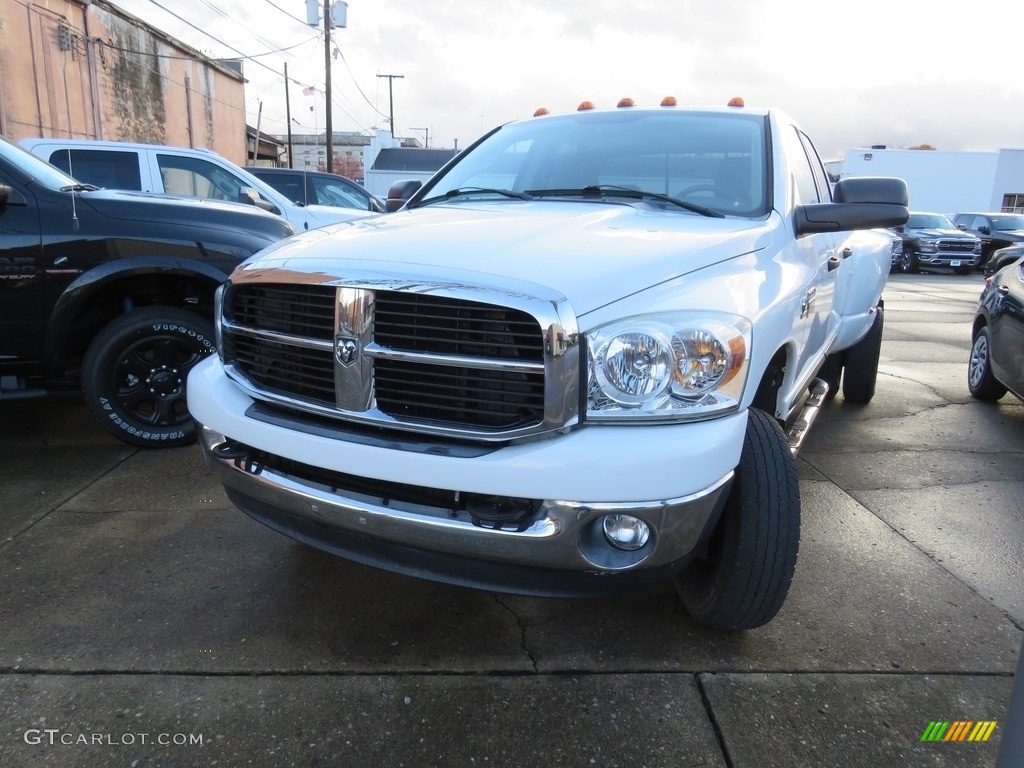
{"points": [[861, 371], [980, 381], [908, 262], [134, 374], [742, 579]]}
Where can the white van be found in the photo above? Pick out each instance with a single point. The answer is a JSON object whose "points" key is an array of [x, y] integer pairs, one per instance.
{"points": [[198, 173]]}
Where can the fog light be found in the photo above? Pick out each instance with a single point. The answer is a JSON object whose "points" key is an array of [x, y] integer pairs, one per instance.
{"points": [[626, 532]]}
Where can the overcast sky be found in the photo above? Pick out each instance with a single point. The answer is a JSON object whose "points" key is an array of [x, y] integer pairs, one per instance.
{"points": [[895, 72]]}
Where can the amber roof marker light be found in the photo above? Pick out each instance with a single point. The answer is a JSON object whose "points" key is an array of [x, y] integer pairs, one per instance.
{"points": [[626, 102], [541, 111], [584, 106], [669, 101], [736, 101]]}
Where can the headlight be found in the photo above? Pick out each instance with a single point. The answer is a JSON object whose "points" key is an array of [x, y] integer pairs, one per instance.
{"points": [[927, 247], [667, 367]]}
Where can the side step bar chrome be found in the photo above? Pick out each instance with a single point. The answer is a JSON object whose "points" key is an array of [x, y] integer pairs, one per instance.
{"points": [[796, 433]]}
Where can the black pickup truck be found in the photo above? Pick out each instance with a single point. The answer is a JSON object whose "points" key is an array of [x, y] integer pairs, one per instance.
{"points": [[113, 292]]}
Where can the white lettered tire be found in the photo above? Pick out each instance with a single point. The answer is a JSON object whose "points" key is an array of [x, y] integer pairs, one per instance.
{"points": [[134, 374]]}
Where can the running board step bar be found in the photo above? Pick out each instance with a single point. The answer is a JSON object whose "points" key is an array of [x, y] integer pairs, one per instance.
{"points": [[818, 392]]}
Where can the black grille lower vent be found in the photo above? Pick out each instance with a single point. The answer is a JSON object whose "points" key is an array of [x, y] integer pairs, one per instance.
{"points": [[283, 368]]}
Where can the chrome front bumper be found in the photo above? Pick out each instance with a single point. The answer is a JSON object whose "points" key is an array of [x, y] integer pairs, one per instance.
{"points": [[559, 550]]}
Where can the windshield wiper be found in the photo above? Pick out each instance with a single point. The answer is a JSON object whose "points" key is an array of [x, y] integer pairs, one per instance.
{"points": [[599, 190], [79, 188], [467, 191]]}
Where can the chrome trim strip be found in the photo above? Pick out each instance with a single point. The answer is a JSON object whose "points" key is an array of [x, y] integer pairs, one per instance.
{"points": [[276, 336], [375, 350]]}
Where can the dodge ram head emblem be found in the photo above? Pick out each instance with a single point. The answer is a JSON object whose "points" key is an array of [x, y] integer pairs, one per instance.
{"points": [[347, 351]]}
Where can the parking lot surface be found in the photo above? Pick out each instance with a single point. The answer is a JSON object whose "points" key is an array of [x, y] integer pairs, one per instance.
{"points": [[146, 622]]}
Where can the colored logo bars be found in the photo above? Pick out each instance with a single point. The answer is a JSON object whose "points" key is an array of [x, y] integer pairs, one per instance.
{"points": [[958, 730]]}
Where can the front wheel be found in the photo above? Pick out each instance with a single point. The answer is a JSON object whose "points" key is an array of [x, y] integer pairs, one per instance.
{"points": [[980, 381], [134, 374], [743, 577], [861, 371], [907, 263]]}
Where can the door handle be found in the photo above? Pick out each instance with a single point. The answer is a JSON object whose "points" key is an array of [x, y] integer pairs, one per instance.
{"points": [[847, 252], [833, 263]]}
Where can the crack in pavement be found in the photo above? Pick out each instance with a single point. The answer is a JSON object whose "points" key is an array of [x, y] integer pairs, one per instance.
{"points": [[522, 633]]}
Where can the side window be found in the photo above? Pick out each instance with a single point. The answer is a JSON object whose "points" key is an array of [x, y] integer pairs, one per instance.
{"points": [[112, 169], [289, 186], [817, 170], [803, 175], [329, 192], [194, 177]]}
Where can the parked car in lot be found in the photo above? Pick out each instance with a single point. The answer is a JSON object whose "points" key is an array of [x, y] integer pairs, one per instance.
{"points": [[995, 230], [997, 347], [1002, 257], [579, 360], [317, 188], [178, 171], [932, 240], [113, 291]]}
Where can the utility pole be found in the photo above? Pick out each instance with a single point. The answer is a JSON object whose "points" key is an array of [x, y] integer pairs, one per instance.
{"points": [[288, 113], [391, 100], [327, 90]]}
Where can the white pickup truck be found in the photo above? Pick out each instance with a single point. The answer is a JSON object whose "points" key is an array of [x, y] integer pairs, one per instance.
{"points": [[578, 361]]}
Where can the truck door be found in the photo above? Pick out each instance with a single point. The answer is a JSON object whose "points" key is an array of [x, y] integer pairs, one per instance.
{"points": [[819, 254], [22, 275]]}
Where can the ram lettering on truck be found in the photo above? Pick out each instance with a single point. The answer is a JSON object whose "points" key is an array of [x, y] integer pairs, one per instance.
{"points": [[579, 360]]}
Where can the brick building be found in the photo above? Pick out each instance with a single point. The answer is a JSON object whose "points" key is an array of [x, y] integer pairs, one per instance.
{"points": [[85, 69]]}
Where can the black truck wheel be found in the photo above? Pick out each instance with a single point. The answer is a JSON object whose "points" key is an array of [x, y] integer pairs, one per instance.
{"points": [[980, 381], [861, 370], [134, 374], [743, 577]]}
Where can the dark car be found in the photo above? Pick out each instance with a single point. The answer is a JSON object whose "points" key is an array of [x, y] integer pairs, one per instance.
{"points": [[997, 349], [113, 292], [996, 230], [317, 188], [932, 240]]}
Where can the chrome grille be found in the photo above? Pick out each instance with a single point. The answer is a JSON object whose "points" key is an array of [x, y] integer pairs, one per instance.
{"points": [[428, 361], [957, 246]]}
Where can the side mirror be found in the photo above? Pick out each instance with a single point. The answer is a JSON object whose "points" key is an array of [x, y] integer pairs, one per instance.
{"points": [[984, 229], [400, 193], [251, 196], [859, 203]]}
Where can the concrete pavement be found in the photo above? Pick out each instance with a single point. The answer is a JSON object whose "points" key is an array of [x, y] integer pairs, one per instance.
{"points": [[148, 623]]}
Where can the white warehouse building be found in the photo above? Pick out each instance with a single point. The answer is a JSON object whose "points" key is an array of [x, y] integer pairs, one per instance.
{"points": [[946, 182]]}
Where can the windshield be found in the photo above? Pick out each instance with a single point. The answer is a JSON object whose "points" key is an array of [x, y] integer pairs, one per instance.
{"points": [[1008, 221], [40, 170], [709, 159], [929, 221]]}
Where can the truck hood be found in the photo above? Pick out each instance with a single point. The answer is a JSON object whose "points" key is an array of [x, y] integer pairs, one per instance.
{"points": [[936, 233], [190, 211], [592, 253]]}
